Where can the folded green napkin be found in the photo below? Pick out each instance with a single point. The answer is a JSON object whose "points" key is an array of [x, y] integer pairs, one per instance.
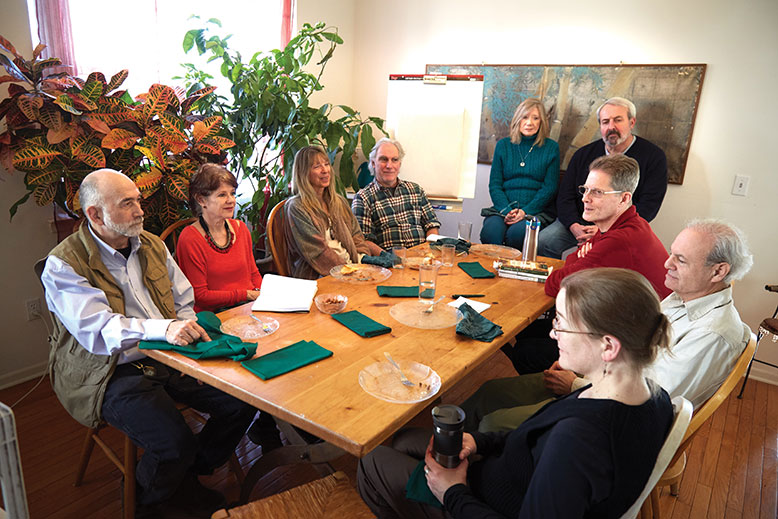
{"points": [[386, 259], [475, 270], [221, 345], [386, 291], [476, 326], [360, 324], [286, 359], [417, 489], [460, 244]]}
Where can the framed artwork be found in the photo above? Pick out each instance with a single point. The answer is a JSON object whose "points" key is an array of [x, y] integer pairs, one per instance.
{"points": [[665, 96]]}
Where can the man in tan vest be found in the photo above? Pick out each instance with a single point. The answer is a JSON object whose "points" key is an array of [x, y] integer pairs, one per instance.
{"points": [[110, 285]]}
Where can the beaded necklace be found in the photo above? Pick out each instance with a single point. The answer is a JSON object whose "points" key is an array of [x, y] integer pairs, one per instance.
{"points": [[215, 246]]}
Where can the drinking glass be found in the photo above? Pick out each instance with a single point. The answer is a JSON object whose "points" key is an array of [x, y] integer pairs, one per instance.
{"points": [[463, 230], [428, 276], [447, 255], [401, 253]]}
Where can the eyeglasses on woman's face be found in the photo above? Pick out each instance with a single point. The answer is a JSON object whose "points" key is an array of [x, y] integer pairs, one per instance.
{"points": [[594, 192], [556, 330]]}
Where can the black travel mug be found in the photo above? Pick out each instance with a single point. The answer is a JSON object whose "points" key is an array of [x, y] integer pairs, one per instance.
{"points": [[448, 423]]}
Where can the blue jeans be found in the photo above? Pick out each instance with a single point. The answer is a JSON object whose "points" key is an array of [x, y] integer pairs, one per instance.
{"points": [[496, 232], [144, 408], [554, 240]]}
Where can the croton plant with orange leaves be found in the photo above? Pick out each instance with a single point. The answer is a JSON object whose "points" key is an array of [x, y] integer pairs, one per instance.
{"points": [[59, 128]]}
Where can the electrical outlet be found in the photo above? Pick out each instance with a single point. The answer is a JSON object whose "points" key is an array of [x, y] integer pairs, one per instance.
{"points": [[33, 309], [740, 188]]}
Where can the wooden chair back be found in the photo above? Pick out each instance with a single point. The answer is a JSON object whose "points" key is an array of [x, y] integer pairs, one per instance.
{"points": [[276, 239], [171, 232]]}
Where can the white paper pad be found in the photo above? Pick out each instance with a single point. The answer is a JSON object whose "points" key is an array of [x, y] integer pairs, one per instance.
{"points": [[284, 294], [475, 305]]}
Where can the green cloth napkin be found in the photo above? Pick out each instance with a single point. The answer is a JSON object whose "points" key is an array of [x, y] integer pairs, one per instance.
{"points": [[417, 489], [475, 270], [360, 324], [460, 244], [387, 291], [286, 359], [386, 259], [220, 346], [476, 326]]}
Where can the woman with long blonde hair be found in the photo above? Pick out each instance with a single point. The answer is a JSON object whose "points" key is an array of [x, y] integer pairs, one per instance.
{"points": [[321, 230], [524, 176]]}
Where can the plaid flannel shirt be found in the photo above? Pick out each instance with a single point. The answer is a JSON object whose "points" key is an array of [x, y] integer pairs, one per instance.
{"points": [[398, 216]]}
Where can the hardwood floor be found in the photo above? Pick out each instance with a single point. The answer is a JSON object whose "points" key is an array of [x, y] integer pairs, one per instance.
{"points": [[731, 471]]}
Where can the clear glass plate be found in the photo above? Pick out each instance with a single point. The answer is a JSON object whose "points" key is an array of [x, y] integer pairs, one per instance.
{"points": [[495, 251], [357, 273], [382, 380], [249, 329], [412, 313]]}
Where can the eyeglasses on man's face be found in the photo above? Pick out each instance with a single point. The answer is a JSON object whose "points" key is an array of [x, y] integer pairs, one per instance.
{"points": [[594, 192], [556, 330]]}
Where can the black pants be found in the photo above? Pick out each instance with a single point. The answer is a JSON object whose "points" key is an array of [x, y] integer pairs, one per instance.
{"points": [[535, 350], [144, 408]]}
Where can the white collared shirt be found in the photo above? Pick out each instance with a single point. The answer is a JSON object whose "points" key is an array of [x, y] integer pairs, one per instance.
{"points": [[85, 312]]}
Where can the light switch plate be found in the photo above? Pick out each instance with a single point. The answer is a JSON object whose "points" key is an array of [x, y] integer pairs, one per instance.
{"points": [[740, 188]]}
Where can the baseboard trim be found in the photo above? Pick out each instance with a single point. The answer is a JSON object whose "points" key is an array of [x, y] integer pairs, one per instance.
{"points": [[764, 374], [22, 375]]}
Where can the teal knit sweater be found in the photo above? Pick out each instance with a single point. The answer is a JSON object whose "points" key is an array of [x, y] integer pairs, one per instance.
{"points": [[533, 185]]}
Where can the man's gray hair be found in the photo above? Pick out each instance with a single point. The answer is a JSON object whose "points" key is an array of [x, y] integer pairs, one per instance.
{"points": [[729, 246], [374, 151], [619, 101], [623, 170], [89, 192]]}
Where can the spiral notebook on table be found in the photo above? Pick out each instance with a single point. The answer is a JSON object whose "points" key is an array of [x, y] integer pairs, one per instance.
{"points": [[285, 294]]}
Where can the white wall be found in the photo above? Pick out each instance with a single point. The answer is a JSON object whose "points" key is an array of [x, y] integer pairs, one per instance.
{"points": [[733, 132], [24, 348]]}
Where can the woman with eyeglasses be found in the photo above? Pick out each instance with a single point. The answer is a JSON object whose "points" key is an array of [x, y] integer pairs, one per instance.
{"points": [[322, 232], [588, 454], [524, 176]]}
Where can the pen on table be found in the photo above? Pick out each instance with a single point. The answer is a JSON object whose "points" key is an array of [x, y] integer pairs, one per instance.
{"points": [[467, 295]]}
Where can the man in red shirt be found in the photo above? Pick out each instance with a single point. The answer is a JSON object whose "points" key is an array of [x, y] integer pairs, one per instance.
{"points": [[622, 239]]}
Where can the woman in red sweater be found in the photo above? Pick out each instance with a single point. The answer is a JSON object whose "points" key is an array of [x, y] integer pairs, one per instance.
{"points": [[215, 252]]}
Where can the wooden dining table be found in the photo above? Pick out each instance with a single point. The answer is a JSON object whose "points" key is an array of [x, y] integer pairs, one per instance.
{"points": [[325, 398]]}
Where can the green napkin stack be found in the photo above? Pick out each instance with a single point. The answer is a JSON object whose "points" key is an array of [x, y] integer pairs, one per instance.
{"points": [[286, 359], [418, 490], [460, 244], [474, 269], [386, 259], [476, 326], [360, 324], [387, 291], [220, 346]]}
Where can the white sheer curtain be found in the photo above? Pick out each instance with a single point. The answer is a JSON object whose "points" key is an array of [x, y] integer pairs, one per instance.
{"points": [[145, 36]]}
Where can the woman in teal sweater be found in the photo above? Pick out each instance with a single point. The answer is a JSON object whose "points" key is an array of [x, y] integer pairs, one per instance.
{"points": [[524, 176]]}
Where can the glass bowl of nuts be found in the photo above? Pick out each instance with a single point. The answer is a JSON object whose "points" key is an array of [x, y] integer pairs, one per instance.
{"points": [[331, 303]]}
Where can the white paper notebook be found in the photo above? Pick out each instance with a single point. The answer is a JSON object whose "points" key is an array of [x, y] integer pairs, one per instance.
{"points": [[283, 294]]}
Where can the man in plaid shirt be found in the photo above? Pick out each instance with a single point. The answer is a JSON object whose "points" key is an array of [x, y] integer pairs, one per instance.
{"points": [[390, 211]]}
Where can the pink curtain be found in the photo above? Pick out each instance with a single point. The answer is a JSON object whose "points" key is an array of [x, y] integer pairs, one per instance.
{"points": [[287, 20], [54, 31]]}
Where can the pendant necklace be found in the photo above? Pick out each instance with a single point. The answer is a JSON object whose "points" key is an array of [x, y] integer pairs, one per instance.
{"points": [[524, 157], [215, 246]]}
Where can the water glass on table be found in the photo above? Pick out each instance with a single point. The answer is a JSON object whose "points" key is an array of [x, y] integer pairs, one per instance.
{"points": [[463, 230], [447, 253], [428, 277], [401, 253]]}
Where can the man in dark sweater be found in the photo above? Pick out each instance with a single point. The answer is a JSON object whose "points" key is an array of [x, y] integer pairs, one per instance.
{"points": [[617, 119]]}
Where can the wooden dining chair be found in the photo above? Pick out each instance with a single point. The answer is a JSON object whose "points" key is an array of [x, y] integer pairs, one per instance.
{"points": [[682, 409], [276, 238], [171, 232], [331, 497], [672, 475]]}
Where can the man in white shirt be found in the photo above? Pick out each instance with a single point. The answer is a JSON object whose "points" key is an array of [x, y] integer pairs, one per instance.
{"points": [[110, 285], [708, 335]]}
